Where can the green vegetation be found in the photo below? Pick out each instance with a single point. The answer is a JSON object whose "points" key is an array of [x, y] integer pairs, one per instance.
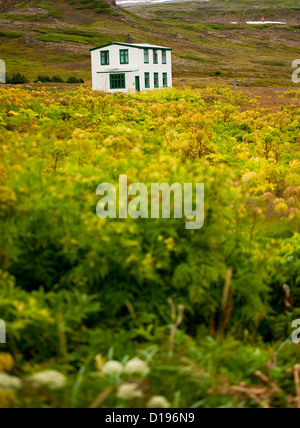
{"points": [[144, 313], [207, 312], [68, 58], [100, 6], [58, 38], [16, 79], [12, 34]]}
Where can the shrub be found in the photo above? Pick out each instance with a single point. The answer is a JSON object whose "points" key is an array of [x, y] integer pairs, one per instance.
{"points": [[16, 79], [73, 79], [57, 79], [43, 79]]}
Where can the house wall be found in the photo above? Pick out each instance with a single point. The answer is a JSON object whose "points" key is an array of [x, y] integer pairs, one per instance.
{"points": [[2, 71], [136, 67]]}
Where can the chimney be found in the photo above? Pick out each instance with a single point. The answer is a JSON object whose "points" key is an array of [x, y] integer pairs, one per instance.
{"points": [[129, 41]]}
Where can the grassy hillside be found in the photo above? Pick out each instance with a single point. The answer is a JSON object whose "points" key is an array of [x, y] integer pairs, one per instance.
{"points": [[56, 37]]}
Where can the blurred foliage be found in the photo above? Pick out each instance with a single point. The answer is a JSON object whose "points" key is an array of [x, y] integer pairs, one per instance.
{"points": [[74, 286]]}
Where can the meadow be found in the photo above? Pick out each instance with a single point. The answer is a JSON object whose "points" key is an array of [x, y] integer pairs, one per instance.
{"points": [[134, 313]]}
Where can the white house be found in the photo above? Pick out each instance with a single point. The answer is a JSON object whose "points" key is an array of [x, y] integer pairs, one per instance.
{"points": [[124, 67], [2, 71]]}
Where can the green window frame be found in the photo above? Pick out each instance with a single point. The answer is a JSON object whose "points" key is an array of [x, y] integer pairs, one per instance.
{"points": [[124, 56], [156, 80], [164, 57], [104, 57], [146, 56], [155, 56], [165, 80], [147, 80], [117, 81]]}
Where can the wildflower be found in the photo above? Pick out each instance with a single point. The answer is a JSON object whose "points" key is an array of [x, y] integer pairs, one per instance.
{"points": [[50, 379], [129, 391], [136, 366], [293, 213], [8, 200], [266, 197], [112, 368], [158, 402], [248, 177], [9, 383], [281, 208], [7, 400], [6, 362]]}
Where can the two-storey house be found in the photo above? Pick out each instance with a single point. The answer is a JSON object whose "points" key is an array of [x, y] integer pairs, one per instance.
{"points": [[122, 67]]}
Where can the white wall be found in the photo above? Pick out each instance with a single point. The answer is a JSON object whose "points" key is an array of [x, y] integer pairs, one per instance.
{"points": [[136, 67], [2, 71]]}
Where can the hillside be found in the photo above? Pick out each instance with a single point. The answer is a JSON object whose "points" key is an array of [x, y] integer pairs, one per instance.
{"points": [[56, 37]]}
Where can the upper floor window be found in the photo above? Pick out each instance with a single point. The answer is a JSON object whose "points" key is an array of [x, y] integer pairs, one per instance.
{"points": [[155, 56], [105, 58], [146, 56], [124, 56], [164, 57]]}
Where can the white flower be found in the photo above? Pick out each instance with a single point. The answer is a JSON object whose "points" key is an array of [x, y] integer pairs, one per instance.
{"points": [[248, 177], [129, 391], [136, 366], [9, 383], [112, 368], [50, 379], [158, 402]]}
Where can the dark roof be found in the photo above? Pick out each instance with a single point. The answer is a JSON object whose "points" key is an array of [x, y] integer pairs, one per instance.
{"points": [[133, 45]]}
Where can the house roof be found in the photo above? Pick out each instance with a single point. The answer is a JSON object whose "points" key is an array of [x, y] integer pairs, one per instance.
{"points": [[133, 45]]}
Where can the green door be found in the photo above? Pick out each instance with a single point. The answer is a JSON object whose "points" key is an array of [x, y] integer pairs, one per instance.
{"points": [[137, 84]]}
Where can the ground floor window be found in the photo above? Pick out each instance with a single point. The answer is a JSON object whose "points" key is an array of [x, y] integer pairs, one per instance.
{"points": [[165, 80], [117, 81], [147, 80], [156, 80]]}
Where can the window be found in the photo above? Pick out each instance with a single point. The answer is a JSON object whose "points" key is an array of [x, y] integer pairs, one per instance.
{"points": [[117, 81], [105, 58], [124, 56], [164, 57], [155, 56], [146, 56], [147, 80], [156, 80], [165, 80]]}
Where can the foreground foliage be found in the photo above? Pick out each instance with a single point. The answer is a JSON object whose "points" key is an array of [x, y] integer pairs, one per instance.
{"points": [[207, 311]]}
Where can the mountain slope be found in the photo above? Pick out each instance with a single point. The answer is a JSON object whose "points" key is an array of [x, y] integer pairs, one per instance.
{"points": [[38, 37]]}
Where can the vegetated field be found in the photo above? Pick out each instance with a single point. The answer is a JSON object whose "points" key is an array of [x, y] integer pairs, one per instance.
{"points": [[91, 306], [78, 293], [207, 49]]}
